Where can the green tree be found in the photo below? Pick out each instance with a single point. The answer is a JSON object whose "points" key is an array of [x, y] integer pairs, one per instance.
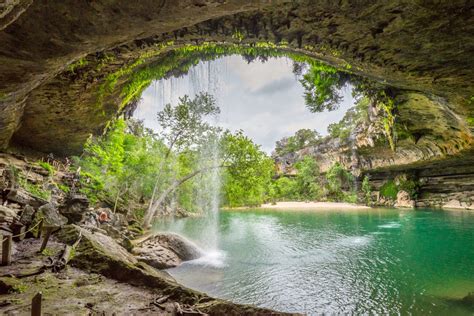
{"points": [[302, 138], [248, 171], [183, 129], [307, 179], [122, 164], [366, 189], [339, 182], [322, 84], [285, 188], [353, 117]]}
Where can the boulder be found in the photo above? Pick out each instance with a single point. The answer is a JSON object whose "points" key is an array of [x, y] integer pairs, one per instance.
{"points": [[157, 256], [50, 216], [404, 200], [75, 208], [7, 214], [24, 198], [27, 215], [166, 250], [99, 253]]}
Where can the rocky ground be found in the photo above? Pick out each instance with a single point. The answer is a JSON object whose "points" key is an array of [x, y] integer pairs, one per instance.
{"points": [[97, 261]]}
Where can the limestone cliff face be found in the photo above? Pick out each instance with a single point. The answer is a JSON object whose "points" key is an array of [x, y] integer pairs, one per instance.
{"points": [[432, 132], [47, 104], [437, 153], [58, 59]]}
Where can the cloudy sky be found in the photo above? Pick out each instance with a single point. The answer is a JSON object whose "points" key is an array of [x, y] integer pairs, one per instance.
{"points": [[265, 100]]}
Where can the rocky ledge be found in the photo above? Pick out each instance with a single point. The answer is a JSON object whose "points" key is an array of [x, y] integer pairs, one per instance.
{"points": [[93, 262]]}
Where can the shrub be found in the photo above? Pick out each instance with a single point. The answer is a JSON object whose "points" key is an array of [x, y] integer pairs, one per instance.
{"points": [[338, 180], [366, 190], [349, 197], [410, 186], [47, 166], [389, 190]]}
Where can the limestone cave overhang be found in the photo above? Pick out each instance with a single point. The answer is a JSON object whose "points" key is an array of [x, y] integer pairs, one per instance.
{"points": [[68, 67]]}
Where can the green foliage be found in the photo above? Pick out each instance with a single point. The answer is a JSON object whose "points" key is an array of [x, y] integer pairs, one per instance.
{"points": [[470, 121], [48, 252], [132, 164], [387, 104], [37, 190], [175, 60], [183, 125], [19, 288], [353, 117], [285, 188], [302, 138], [121, 163], [322, 84], [63, 188], [366, 189], [389, 190], [411, 187], [238, 35], [339, 181], [307, 179], [47, 166], [407, 184], [248, 171], [80, 63], [350, 197]]}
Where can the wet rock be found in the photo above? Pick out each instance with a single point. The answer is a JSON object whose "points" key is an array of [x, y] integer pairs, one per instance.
{"points": [[99, 253], [27, 215], [75, 208], [50, 216], [24, 198], [7, 214], [117, 235], [404, 200], [89, 280], [164, 251], [10, 285], [157, 256]]}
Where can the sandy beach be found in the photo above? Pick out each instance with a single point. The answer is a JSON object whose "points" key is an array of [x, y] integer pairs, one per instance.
{"points": [[307, 206]]}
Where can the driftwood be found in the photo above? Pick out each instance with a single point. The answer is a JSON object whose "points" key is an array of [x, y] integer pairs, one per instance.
{"points": [[6, 250], [185, 310], [62, 260], [36, 304], [48, 231]]}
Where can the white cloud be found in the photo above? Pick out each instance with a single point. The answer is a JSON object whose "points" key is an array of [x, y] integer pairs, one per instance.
{"points": [[263, 99]]}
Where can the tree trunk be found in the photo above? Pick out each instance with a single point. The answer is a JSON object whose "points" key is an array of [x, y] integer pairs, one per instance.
{"points": [[151, 212]]}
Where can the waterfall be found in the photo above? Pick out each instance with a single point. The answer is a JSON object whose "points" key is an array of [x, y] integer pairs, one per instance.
{"points": [[208, 193], [203, 77]]}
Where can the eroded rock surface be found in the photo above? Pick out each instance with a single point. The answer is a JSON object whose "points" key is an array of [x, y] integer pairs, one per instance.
{"points": [[166, 250], [98, 253], [52, 105], [404, 200]]}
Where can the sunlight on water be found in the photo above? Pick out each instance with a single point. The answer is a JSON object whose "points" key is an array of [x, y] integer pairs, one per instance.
{"points": [[362, 262], [390, 225]]}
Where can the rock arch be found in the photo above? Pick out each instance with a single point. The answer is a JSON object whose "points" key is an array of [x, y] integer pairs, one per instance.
{"points": [[56, 57]]}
